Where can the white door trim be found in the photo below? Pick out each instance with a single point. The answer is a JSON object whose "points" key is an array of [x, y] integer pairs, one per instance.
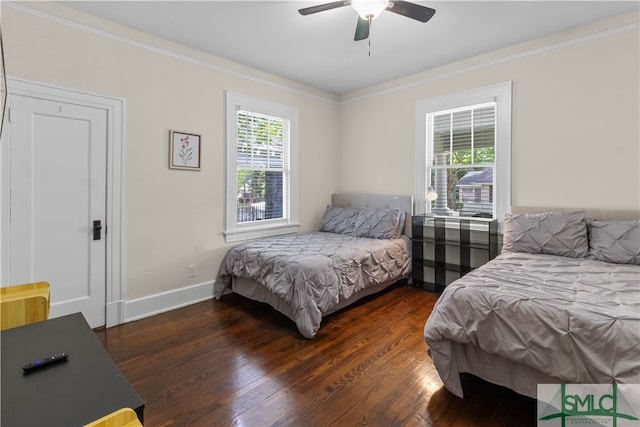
{"points": [[115, 108]]}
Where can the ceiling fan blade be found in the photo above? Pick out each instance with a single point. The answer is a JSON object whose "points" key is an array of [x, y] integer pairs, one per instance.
{"points": [[362, 29], [323, 7], [412, 10]]}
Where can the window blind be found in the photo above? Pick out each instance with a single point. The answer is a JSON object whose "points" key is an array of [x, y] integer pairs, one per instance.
{"points": [[465, 134]]}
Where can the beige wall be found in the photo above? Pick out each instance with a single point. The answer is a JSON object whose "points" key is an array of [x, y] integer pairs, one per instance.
{"points": [[172, 218], [576, 126]]}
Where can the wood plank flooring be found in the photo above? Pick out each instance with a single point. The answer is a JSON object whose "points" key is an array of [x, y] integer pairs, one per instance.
{"points": [[235, 362]]}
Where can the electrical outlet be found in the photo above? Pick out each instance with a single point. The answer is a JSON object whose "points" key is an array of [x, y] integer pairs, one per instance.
{"points": [[191, 270]]}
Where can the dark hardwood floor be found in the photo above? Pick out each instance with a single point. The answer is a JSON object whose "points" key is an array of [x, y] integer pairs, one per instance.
{"points": [[235, 362]]}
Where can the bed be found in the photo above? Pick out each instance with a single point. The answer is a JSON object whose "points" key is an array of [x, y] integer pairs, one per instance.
{"points": [[362, 248], [559, 305]]}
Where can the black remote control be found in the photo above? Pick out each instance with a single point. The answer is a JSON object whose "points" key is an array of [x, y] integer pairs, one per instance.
{"points": [[54, 358]]}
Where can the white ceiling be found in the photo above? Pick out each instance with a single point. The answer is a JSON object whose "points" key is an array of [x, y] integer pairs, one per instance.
{"points": [[318, 50]]}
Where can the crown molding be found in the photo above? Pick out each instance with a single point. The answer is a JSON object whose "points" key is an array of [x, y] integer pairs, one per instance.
{"points": [[161, 51], [491, 63]]}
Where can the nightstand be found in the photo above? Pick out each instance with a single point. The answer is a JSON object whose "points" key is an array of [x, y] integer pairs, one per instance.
{"points": [[446, 248]]}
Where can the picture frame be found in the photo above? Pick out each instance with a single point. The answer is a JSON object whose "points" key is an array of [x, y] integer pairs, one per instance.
{"points": [[184, 150]]}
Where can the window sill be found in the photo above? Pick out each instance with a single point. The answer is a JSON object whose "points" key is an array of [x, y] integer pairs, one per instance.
{"points": [[239, 235]]}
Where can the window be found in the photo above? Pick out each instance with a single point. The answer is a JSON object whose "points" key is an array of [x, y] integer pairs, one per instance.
{"points": [[261, 168], [463, 151], [471, 195], [461, 159]]}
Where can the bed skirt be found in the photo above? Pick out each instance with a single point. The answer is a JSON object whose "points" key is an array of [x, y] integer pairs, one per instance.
{"points": [[252, 289], [493, 368]]}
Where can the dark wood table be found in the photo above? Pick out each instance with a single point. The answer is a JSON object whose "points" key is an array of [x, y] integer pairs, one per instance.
{"points": [[85, 387]]}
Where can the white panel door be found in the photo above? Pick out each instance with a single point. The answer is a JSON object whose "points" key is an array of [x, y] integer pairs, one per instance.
{"points": [[57, 190]]}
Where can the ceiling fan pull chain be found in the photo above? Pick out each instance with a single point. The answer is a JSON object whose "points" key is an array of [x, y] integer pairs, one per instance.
{"points": [[369, 38]]}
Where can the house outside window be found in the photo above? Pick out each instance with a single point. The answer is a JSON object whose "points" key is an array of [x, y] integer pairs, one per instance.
{"points": [[463, 151], [261, 168], [476, 193]]}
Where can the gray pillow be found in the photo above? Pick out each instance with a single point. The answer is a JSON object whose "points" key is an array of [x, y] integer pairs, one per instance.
{"points": [[553, 233], [614, 241], [378, 223], [401, 220], [339, 220]]}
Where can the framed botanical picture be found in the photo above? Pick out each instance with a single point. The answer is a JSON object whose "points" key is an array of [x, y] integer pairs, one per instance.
{"points": [[184, 150]]}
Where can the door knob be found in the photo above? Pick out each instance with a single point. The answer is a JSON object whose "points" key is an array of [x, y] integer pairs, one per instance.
{"points": [[97, 229]]}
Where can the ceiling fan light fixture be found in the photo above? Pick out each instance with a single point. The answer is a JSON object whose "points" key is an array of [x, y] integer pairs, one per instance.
{"points": [[369, 9]]}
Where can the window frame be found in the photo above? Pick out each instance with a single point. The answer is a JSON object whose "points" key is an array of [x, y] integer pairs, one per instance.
{"points": [[234, 231], [500, 94]]}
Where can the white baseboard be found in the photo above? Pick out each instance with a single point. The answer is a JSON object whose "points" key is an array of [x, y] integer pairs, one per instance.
{"points": [[140, 308], [113, 313]]}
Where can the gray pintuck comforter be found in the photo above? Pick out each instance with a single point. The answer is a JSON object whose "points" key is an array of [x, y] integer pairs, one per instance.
{"points": [[314, 272], [574, 319]]}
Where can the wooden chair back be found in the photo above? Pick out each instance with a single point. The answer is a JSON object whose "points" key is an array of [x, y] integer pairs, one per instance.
{"points": [[24, 304], [125, 417]]}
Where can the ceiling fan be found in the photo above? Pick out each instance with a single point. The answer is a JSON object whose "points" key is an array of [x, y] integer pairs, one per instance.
{"points": [[369, 10]]}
